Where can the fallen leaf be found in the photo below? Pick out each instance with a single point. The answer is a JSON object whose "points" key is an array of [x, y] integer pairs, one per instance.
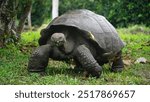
{"points": [[127, 62]]}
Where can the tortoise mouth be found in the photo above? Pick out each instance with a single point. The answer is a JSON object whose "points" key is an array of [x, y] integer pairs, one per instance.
{"points": [[58, 39], [58, 43]]}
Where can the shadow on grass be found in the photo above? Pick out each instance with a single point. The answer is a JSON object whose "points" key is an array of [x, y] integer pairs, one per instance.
{"points": [[52, 71]]}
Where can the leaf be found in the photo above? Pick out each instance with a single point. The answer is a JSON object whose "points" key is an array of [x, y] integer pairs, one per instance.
{"points": [[127, 62]]}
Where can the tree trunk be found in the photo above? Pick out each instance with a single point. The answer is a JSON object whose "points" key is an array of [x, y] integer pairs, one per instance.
{"points": [[55, 9], [7, 21], [25, 14], [29, 20]]}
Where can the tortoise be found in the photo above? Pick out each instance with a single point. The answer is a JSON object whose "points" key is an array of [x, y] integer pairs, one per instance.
{"points": [[82, 35]]}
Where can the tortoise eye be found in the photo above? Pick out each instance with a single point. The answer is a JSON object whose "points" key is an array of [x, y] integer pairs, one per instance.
{"points": [[52, 39], [61, 38]]}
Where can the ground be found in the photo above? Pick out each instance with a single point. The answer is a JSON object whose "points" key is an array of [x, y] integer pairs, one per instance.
{"points": [[14, 61]]}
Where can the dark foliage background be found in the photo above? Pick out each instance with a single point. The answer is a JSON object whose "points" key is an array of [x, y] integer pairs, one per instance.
{"points": [[121, 13], [118, 12]]}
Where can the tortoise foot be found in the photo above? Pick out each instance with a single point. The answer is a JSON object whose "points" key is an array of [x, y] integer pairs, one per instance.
{"points": [[117, 65]]}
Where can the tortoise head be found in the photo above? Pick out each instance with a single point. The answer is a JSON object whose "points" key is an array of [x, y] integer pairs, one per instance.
{"points": [[58, 39]]}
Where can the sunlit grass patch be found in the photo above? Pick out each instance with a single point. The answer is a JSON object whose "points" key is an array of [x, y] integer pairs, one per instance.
{"points": [[30, 37]]}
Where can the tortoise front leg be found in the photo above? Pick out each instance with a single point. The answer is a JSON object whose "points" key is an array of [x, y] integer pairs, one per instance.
{"points": [[39, 59], [86, 59]]}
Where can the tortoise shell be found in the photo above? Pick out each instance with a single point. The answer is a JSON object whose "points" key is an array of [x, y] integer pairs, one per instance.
{"points": [[96, 28]]}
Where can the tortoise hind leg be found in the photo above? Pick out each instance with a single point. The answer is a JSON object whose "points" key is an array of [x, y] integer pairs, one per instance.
{"points": [[86, 59], [117, 65]]}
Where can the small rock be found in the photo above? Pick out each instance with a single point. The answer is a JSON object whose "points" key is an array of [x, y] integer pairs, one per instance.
{"points": [[141, 60]]}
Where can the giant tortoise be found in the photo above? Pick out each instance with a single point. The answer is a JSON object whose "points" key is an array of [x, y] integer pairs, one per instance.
{"points": [[82, 35]]}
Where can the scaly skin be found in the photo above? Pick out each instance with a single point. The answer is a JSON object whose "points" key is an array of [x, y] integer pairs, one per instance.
{"points": [[39, 59], [86, 59], [117, 65]]}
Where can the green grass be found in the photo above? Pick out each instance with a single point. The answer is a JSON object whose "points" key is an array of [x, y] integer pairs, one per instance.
{"points": [[14, 61]]}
